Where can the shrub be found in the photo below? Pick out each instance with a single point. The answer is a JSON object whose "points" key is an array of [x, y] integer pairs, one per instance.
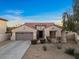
{"points": [[70, 51], [59, 47], [76, 55], [44, 48], [33, 41], [42, 41], [49, 39]]}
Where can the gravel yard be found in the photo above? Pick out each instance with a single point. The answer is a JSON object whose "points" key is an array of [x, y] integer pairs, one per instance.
{"points": [[36, 52]]}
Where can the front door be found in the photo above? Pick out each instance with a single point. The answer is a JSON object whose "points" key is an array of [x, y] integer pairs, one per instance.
{"points": [[40, 34]]}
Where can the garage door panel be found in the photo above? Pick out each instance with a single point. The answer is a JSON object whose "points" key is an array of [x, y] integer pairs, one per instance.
{"points": [[24, 36]]}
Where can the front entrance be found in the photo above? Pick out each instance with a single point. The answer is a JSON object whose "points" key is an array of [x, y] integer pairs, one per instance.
{"points": [[40, 34]]}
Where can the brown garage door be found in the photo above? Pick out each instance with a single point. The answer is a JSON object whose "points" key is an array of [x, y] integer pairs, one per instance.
{"points": [[24, 36]]}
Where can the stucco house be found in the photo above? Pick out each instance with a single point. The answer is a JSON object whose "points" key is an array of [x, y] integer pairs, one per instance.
{"points": [[31, 31], [3, 25], [3, 29]]}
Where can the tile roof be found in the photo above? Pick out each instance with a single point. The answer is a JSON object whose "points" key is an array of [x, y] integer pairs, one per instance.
{"points": [[33, 25]]}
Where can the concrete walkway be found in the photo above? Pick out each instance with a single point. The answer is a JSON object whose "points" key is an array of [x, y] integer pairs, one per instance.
{"points": [[14, 50]]}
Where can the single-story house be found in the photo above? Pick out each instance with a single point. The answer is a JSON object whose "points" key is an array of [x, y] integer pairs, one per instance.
{"points": [[31, 31]]}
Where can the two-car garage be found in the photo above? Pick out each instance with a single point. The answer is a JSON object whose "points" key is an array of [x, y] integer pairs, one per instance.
{"points": [[23, 33]]}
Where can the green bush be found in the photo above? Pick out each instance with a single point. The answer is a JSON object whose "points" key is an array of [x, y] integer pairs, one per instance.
{"points": [[76, 55], [42, 41], [70, 51], [49, 40], [33, 41], [59, 47], [44, 48]]}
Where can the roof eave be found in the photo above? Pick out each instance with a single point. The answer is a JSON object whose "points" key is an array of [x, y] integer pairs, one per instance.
{"points": [[3, 19]]}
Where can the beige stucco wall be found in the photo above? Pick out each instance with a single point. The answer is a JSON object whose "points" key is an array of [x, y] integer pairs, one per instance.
{"points": [[3, 26], [68, 35], [5, 36], [64, 40], [23, 29], [53, 28]]}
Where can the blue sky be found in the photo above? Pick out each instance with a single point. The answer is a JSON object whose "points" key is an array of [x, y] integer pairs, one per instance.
{"points": [[34, 10]]}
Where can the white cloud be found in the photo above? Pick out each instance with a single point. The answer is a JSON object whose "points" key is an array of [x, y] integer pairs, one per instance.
{"points": [[14, 12], [15, 18]]}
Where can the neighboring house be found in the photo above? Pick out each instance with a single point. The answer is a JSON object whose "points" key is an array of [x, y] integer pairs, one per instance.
{"points": [[3, 26], [29, 31], [3, 29]]}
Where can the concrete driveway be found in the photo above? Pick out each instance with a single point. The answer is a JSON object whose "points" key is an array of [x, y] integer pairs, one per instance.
{"points": [[14, 50]]}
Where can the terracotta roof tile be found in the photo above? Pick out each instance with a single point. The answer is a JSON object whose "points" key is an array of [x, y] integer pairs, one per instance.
{"points": [[39, 24], [33, 25]]}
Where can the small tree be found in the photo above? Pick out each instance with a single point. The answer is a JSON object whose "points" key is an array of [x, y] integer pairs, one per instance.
{"points": [[76, 14], [65, 18], [68, 22], [71, 22]]}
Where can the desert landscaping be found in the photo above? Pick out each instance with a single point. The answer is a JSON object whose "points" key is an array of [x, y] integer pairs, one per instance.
{"points": [[39, 29], [52, 52]]}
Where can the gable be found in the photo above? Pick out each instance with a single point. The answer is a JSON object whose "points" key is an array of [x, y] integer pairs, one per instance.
{"points": [[23, 28], [54, 28]]}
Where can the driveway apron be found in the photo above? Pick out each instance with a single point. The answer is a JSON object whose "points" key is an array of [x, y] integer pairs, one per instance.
{"points": [[14, 50]]}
